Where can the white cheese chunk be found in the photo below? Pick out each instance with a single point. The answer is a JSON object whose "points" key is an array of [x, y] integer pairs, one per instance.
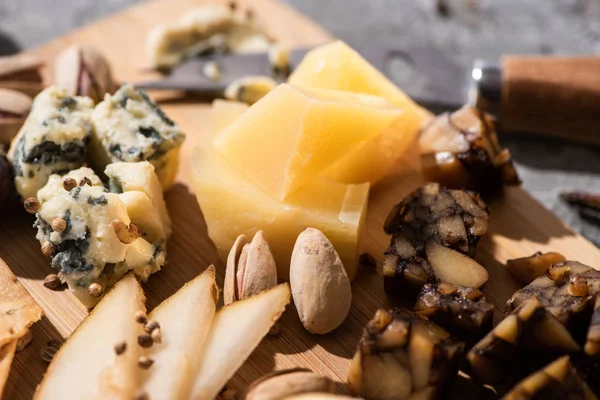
{"points": [[52, 140], [130, 127]]}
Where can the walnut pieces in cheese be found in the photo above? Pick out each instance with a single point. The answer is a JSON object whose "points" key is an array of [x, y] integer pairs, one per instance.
{"points": [[89, 250], [53, 139], [130, 127]]}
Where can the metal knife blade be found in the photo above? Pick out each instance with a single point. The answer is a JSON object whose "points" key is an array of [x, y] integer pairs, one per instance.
{"points": [[424, 73]]}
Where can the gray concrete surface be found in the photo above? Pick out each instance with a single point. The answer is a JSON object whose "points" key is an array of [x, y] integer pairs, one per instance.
{"points": [[469, 29]]}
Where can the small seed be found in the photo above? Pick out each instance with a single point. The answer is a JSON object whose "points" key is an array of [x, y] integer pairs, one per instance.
{"points": [[141, 317], [48, 249], [47, 353], [85, 181], [120, 347], [32, 205], [95, 289], [145, 341], [126, 234], [578, 286], [52, 281], [150, 326], [58, 225], [145, 362], [156, 335], [142, 396], [275, 330], [69, 184]]}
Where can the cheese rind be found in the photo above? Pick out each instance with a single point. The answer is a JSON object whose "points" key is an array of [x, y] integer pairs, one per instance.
{"points": [[53, 139], [290, 136], [130, 127], [232, 204]]}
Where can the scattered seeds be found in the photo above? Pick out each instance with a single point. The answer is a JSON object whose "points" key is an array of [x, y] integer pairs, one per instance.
{"points": [[69, 184], [32, 205], [150, 326], [145, 340], [126, 234], [58, 225], [156, 335], [85, 181], [141, 317], [47, 353], [48, 249], [52, 282], [95, 289], [120, 347], [145, 362]]}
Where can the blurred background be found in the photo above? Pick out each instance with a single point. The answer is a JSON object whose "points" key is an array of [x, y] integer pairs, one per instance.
{"points": [[463, 29]]}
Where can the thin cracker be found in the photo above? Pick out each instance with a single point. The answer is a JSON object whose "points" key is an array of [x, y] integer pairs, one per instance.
{"points": [[18, 310]]}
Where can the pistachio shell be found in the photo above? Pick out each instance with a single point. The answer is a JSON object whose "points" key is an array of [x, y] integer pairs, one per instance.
{"points": [[229, 287]]}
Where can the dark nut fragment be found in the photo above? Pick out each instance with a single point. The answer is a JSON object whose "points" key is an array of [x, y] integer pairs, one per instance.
{"points": [[69, 184], [145, 362], [526, 269], [280, 384], [462, 151], [562, 290], [520, 344], [558, 380], [141, 317], [52, 281], [32, 205], [48, 249], [126, 234], [426, 223], [85, 181], [462, 310], [401, 355], [145, 340]]}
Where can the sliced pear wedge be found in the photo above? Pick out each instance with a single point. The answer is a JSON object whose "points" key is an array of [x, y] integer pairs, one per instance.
{"points": [[185, 320], [87, 366], [236, 330], [7, 352], [456, 268], [18, 310]]}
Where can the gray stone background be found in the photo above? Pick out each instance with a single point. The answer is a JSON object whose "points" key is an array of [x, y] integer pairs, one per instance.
{"points": [[463, 29]]}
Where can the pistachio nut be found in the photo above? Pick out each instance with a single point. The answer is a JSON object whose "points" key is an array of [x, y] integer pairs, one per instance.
{"points": [[83, 71], [250, 268], [319, 283], [21, 72], [14, 107], [280, 384]]}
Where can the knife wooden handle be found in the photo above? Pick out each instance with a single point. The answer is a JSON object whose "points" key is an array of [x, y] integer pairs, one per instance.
{"points": [[558, 96]]}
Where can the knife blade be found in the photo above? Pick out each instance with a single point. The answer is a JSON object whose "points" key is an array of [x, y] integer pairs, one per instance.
{"points": [[424, 73]]}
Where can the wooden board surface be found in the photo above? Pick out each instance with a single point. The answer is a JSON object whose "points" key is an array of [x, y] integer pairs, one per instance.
{"points": [[520, 226]]}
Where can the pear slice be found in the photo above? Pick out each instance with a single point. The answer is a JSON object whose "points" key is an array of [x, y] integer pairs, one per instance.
{"points": [[18, 310], [87, 366], [7, 352], [185, 320], [236, 330], [453, 267]]}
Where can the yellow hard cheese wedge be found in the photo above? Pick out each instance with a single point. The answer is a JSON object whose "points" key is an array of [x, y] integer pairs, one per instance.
{"points": [[290, 136], [232, 204], [337, 66]]}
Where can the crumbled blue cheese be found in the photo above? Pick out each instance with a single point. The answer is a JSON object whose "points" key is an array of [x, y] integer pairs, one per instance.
{"points": [[53, 139], [130, 127], [89, 250]]}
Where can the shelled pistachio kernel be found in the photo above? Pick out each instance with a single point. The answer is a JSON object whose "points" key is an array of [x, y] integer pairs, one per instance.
{"points": [[69, 184], [48, 249], [32, 205], [95, 289]]}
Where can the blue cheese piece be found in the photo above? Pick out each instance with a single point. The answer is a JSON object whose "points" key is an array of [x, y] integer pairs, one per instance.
{"points": [[130, 127], [89, 250], [53, 139]]}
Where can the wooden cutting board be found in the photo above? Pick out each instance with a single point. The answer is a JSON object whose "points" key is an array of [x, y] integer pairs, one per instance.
{"points": [[520, 226]]}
